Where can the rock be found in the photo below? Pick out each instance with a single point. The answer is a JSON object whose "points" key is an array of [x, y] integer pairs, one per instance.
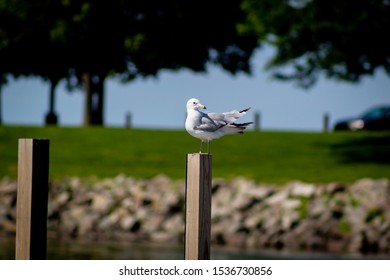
{"points": [[62, 198], [236, 240], [277, 198], [333, 188], [355, 216], [8, 226], [291, 204], [120, 179], [160, 182], [260, 192], [241, 201], [113, 219], [102, 202], [127, 222], [288, 219], [370, 193], [252, 221], [128, 203], [86, 224], [75, 183], [164, 237], [8, 187], [298, 189], [174, 224], [242, 185]]}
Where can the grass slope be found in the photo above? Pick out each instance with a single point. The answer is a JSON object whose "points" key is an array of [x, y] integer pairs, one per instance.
{"points": [[274, 157]]}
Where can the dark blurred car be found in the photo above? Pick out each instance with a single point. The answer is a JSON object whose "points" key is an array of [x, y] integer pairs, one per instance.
{"points": [[377, 118]]}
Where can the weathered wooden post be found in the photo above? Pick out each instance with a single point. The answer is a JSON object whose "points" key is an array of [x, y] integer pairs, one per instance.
{"points": [[32, 199], [326, 123], [128, 120], [257, 121], [198, 207]]}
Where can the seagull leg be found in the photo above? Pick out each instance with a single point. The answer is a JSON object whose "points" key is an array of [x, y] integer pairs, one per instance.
{"points": [[208, 146], [201, 144]]}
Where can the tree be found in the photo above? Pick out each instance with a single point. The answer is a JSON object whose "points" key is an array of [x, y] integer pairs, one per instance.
{"points": [[345, 40], [90, 40], [28, 45], [5, 18], [1, 99], [140, 38]]}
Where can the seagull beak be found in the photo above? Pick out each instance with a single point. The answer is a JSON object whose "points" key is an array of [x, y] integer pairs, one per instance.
{"points": [[201, 106]]}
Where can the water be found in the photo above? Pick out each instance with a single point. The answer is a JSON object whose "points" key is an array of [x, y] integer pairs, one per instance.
{"points": [[74, 250]]}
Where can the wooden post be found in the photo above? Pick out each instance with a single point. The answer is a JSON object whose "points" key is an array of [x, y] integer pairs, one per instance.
{"points": [[198, 207], [128, 120], [326, 123], [257, 121], [32, 199]]}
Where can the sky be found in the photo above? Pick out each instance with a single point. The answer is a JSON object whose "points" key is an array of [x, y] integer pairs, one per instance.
{"points": [[160, 102]]}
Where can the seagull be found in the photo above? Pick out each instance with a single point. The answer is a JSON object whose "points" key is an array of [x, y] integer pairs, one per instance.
{"points": [[209, 126]]}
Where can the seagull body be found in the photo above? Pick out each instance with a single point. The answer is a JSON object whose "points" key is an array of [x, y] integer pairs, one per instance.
{"points": [[209, 126]]}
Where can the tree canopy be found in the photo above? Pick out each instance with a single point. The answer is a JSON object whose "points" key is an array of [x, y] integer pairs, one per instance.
{"points": [[86, 41], [345, 40]]}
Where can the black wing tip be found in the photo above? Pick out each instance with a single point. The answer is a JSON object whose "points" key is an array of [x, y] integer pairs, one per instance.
{"points": [[242, 124], [245, 110]]}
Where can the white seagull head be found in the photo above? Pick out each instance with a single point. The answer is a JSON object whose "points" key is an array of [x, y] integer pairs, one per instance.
{"points": [[194, 104]]}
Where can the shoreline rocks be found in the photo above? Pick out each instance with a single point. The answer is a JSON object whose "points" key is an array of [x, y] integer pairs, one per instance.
{"points": [[297, 216]]}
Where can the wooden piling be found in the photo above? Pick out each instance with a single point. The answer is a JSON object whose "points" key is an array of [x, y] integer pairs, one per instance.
{"points": [[128, 120], [325, 123], [198, 207], [257, 121], [32, 199]]}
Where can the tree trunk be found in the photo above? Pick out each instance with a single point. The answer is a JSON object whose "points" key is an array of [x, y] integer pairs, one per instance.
{"points": [[2, 82], [87, 81], [99, 100], [51, 117], [94, 99], [1, 104]]}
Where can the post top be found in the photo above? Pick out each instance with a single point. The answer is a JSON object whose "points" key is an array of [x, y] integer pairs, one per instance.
{"points": [[199, 154]]}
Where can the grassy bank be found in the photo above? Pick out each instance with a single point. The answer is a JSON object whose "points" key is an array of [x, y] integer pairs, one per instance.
{"points": [[274, 157]]}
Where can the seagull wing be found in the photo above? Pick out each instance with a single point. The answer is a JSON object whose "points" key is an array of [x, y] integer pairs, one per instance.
{"points": [[210, 123], [227, 117]]}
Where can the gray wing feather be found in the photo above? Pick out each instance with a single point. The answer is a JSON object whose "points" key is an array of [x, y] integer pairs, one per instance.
{"points": [[214, 121], [211, 122], [226, 118]]}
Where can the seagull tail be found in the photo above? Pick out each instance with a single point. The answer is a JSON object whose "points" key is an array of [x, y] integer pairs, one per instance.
{"points": [[235, 128]]}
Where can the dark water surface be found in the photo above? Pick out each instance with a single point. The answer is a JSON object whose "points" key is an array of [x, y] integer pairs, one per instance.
{"points": [[75, 250]]}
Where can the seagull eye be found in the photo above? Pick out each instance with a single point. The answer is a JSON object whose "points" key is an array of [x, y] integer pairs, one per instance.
{"points": [[194, 103]]}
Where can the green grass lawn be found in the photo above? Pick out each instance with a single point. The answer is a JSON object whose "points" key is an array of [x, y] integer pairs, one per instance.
{"points": [[274, 157]]}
